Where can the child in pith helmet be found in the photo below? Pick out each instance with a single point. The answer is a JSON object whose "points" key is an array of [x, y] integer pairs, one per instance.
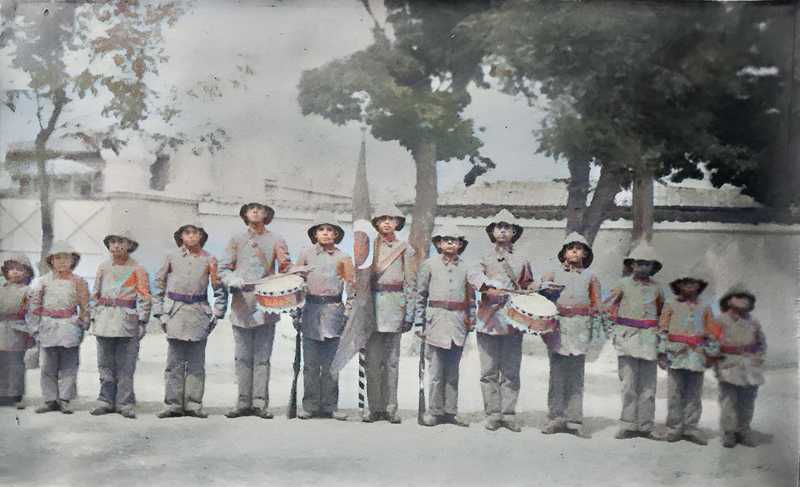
{"points": [[740, 370], [15, 336], [59, 319], [576, 292], [445, 306], [688, 337], [500, 344], [635, 305], [324, 316]]}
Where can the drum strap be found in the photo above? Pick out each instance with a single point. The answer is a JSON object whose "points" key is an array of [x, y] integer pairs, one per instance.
{"points": [[491, 306], [261, 257]]}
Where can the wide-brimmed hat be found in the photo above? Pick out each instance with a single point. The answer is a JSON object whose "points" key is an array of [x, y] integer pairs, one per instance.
{"points": [[267, 219], [505, 216], [62, 247], [122, 234], [737, 290], [572, 238], [388, 209], [20, 259], [197, 226], [452, 231], [325, 218], [675, 285], [644, 251]]}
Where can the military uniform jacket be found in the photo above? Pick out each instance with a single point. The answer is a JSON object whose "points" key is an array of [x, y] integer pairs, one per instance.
{"points": [[444, 281], [743, 336], [13, 308], [684, 325], [121, 299], [181, 294], [59, 310], [332, 274], [393, 281], [636, 301], [250, 256], [576, 303], [501, 269]]}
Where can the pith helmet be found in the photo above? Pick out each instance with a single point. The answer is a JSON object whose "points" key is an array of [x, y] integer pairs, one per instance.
{"points": [[62, 247], [644, 251], [388, 209], [452, 231], [576, 237], [505, 216], [196, 226], [325, 218], [122, 234], [267, 219]]}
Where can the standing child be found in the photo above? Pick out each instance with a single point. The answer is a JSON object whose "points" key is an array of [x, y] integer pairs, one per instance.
{"points": [[15, 336], [120, 315], [635, 304], [393, 279], [740, 368], [500, 344], [324, 316], [688, 334], [59, 318], [445, 305], [181, 304], [578, 295]]}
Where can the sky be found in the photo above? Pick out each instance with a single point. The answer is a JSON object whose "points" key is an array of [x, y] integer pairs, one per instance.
{"points": [[270, 138]]}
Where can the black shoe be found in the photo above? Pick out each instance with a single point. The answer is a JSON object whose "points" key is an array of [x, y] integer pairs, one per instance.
{"points": [[65, 407], [372, 417], [47, 407], [262, 413], [128, 413], [196, 413], [455, 420], [170, 413], [625, 434], [512, 425], [239, 413]]}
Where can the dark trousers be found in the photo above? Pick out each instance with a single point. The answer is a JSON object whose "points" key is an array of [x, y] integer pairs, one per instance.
{"points": [[638, 378], [60, 373], [737, 405], [252, 358], [116, 365], [684, 399], [565, 391], [320, 387], [443, 366], [185, 375]]}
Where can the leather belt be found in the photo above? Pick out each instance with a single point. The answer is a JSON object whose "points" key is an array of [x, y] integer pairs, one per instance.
{"points": [[320, 299], [188, 298], [570, 311], [117, 302], [635, 323], [693, 341], [449, 305], [389, 288]]}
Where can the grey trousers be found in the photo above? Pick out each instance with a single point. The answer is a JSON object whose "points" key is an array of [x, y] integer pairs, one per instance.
{"points": [[185, 375], [59, 377], [638, 378], [684, 399], [443, 372], [383, 359], [501, 357], [116, 365], [12, 374], [565, 392], [320, 386], [252, 358], [737, 404]]}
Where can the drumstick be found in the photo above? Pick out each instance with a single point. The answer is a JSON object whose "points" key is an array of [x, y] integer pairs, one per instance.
{"points": [[297, 270]]}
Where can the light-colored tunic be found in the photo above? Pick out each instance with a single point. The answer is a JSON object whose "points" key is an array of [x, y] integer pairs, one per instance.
{"points": [[393, 307], [745, 368], [682, 323], [59, 310], [121, 299], [577, 304], [13, 308], [636, 300]]}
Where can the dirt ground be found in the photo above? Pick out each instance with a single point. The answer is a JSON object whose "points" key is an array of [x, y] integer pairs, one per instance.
{"points": [[82, 450]]}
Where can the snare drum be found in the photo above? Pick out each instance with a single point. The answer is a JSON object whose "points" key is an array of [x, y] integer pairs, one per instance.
{"points": [[281, 293], [532, 313]]}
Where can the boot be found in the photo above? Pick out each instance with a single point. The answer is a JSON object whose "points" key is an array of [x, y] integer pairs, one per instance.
{"points": [[128, 413], [493, 424], [393, 418], [729, 439], [696, 437], [673, 436], [624, 434], [455, 420], [170, 413], [372, 417], [579, 431], [746, 438], [101, 410], [239, 413], [262, 413], [65, 407], [554, 426], [512, 425], [47, 407], [196, 413], [339, 416]]}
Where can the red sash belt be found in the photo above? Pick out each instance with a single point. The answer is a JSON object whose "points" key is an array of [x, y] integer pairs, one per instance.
{"points": [[12, 316], [740, 349], [570, 311], [692, 341], [635, 323], [449, 305], [56, 313], [117, 302], [389, 288]]}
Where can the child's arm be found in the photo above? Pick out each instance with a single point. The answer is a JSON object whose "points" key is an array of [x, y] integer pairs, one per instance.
{"points": [[594, 293], [281, 254], [160, 283], [219, 290], [421, 299], [82, 292]]}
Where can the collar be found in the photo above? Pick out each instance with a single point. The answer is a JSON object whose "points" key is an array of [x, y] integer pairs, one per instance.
{"points": [[251, 231], [320, 249], [569, 268], [185, 250], [504, 249], [127, 262], [449, 261], [390, 240]]}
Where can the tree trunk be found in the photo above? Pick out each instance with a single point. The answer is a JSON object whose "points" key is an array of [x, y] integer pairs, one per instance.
{"points": [[424, 211], [607, 188], [642, 206], [46, 202], [577, 190]]}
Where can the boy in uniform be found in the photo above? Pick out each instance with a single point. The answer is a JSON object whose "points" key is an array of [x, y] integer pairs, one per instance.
{"points": [[15, 337]]}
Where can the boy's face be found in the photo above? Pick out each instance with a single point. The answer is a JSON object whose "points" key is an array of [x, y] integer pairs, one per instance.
{"points": [[62, 262], [255, 214], [325, 234], [503, 233], [642, 268], [575, 254], [449, 246], [689, 288], [118, 247], [739, 304], [191, 237], [15, 273], [387, 225]]}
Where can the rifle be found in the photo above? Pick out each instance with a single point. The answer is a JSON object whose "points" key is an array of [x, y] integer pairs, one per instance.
{"points": [[421, 405], [291, 411]]}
